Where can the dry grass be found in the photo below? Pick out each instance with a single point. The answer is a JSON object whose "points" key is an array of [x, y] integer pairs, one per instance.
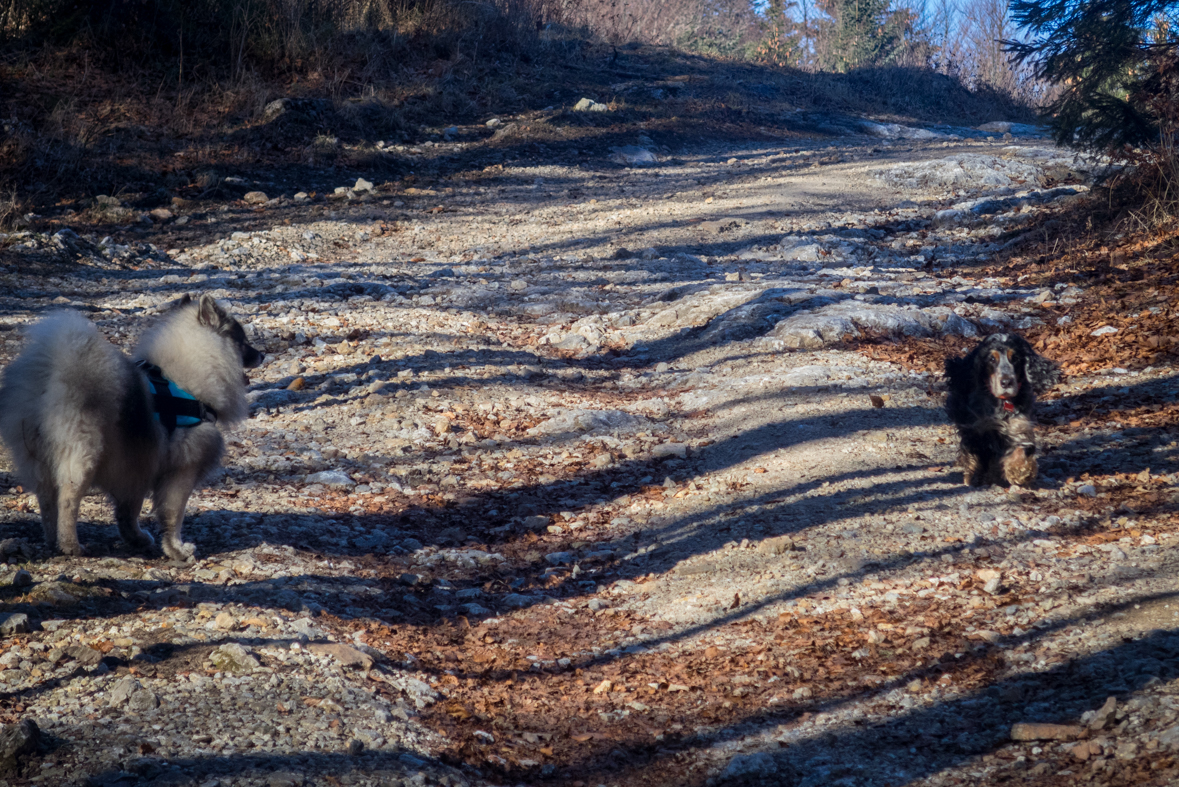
{"points": [[919, 93], [9, 207], [81, 121]]}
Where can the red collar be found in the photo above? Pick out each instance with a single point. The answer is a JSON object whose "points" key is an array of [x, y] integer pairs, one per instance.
{"points": [[1007, 405]]}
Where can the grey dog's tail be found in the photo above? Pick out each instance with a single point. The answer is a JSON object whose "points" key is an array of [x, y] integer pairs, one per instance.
{"points": [[62, 327], [66, 370], [66, 348]]}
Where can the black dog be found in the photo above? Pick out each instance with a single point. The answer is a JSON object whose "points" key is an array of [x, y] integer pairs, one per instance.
{"points": [[992, 393]]}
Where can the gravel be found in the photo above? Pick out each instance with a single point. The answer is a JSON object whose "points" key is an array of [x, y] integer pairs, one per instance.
{"points": [[498, 412]]}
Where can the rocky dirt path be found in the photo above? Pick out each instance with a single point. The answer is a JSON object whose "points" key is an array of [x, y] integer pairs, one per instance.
{"points": [[577, 471]]}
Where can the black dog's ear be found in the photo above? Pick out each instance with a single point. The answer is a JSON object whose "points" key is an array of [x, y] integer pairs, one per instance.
{"points": [[980, 358], [957, 368], [1041, 372]]}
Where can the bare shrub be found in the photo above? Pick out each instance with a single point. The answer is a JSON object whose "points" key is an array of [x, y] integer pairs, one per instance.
{"points": [[237, 35], [981, 58], [9, 207], [915, 92], [721, 26]]}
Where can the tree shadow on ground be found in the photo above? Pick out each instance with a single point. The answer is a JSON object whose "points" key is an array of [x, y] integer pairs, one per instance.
{"points": [[951, 744], [927, 731]]}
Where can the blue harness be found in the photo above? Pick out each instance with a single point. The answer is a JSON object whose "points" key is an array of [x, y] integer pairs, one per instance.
{"points": [[175, 407]]}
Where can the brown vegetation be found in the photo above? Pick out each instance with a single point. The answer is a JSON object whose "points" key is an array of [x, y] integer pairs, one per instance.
{"points": [[150, 109]]}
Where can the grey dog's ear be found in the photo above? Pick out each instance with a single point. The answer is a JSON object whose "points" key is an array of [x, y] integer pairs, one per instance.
{"points": [[209, 312]]}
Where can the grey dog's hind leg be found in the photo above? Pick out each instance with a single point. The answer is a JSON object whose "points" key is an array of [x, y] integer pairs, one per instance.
{"points": [[127, 517], [69, 501], [47, 502]]}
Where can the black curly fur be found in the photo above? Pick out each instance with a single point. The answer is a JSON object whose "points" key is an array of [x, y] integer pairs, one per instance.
{"points": [[997, 440]]}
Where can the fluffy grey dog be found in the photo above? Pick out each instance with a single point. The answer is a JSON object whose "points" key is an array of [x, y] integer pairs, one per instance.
{"points": [[76, 412]]}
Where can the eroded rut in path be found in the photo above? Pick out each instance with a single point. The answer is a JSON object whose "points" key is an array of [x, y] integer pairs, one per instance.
{"points": [[573, 473]]}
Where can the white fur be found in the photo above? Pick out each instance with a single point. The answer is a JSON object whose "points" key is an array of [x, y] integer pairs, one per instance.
{"points": [[201, 361], [45, 399], [75, 412]]}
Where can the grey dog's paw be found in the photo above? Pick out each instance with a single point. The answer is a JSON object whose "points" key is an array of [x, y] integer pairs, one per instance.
{"points": [[179, 550], [73, 549]]}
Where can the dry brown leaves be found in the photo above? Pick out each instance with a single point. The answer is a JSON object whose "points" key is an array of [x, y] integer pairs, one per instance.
{"points": [[1133, 288], [1127, 495], [650, 706]]}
